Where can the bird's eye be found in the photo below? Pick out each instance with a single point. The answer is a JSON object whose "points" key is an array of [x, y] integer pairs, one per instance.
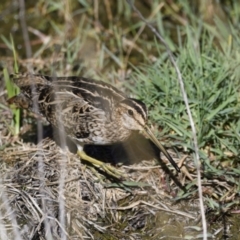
{"points": [[130, 112]]}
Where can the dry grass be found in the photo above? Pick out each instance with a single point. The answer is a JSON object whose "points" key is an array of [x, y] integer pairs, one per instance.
{"points": [[33, 197]]}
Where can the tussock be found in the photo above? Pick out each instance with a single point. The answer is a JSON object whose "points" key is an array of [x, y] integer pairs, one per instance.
{"points": [[33, 195]]}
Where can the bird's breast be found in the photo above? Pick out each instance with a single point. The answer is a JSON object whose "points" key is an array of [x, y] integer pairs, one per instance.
{"points": [[102, 133]]}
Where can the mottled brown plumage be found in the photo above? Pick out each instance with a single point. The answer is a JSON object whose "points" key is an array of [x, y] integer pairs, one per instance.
{"points": [[89, 111]]}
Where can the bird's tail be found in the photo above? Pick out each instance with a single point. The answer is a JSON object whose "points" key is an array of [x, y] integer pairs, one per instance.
{"points": [[28, 79]]}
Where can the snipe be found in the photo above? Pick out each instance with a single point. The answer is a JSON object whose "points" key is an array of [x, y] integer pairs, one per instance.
{"points": [[89, 111]]}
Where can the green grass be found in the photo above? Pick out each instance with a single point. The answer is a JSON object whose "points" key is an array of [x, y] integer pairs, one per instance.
{"points": [[212, 86], [12, 89]]}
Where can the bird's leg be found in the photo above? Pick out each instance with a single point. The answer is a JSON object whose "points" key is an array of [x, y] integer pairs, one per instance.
{"points": [[112, 171]]}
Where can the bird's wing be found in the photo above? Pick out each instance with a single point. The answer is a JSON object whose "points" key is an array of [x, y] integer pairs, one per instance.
{"points": [[98, 94]]}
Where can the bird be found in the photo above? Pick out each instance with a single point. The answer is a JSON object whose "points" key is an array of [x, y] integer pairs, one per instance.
{"points": [[88, 111]]}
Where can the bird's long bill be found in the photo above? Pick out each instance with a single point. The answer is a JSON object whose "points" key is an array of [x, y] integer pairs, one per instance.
{"points": [[160, 146]]}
